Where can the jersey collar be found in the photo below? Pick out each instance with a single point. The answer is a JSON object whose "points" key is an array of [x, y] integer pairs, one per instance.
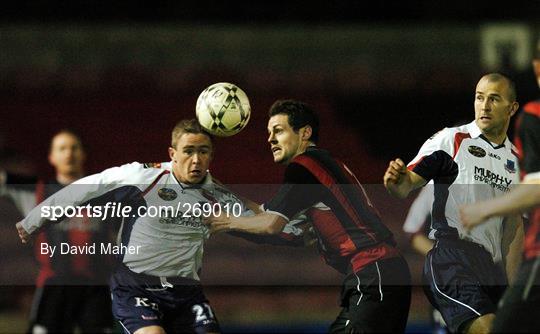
{"points": [[208, 182], [475, 132]]}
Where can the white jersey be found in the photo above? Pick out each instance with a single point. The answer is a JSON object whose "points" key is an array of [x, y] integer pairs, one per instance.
{"points": [[420, 211], [466, 168], [166, 237]]}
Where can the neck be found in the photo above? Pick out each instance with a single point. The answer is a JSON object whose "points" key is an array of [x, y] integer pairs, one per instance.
{"points": [[497, 136], [302, 148], [68, 178]]}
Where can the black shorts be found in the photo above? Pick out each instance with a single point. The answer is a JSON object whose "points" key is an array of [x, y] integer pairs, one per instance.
{"points": [[375, 299], [461, 281], [140, 300], [61, 309], [520, 306]]}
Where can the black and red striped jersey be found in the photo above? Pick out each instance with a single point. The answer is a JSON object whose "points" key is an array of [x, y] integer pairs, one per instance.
{"points": [[71, 268], [349, 229], [527, 140]]}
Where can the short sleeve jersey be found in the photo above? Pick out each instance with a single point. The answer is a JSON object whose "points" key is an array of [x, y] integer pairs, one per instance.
{"points": [[466, 168], [340, 210]]}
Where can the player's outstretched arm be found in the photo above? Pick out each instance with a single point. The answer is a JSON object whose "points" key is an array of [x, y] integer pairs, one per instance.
{"points": [[399, 181], [263, 223], [524, 197]]}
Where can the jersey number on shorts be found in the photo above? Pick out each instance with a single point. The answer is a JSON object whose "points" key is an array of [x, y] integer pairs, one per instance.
{"points": [[200, 314]]}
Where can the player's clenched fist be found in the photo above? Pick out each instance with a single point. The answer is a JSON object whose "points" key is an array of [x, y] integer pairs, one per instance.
{"points": [[399, 181], [395, 172]]}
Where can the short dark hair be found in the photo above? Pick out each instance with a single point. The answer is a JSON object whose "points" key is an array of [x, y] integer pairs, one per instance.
{"points": [[187, 126], [300, 114], [70, 132], [496, 77]]}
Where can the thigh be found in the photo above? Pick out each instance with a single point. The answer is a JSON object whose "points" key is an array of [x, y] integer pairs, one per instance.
{"points": [[134, 307], [454, 289], [192, 313], [378, 302]]}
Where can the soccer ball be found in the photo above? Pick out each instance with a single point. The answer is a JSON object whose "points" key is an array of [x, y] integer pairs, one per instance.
{"points": [[223, 109]]}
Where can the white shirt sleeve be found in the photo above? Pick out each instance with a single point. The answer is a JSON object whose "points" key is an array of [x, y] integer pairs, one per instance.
{"points": [[419, 211], [441, 141], [84, 190]]}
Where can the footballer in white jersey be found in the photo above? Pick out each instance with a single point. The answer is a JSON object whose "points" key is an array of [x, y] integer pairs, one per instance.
{"points": [[467, 273], [466, 168]]}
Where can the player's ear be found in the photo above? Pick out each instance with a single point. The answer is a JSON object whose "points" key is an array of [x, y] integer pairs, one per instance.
{"points": [[306, 132], [51, 159], [514, 108], [172, 151]]}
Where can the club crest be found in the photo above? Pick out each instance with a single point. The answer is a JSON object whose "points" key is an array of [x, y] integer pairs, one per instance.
{"points": [[510, 166]]}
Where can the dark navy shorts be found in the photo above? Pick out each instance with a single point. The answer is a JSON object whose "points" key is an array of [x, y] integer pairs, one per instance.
{"points": [[177, 305], [462, 282]]}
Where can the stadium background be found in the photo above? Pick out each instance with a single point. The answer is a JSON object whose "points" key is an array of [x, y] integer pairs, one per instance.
{"points": [[384, 76]]}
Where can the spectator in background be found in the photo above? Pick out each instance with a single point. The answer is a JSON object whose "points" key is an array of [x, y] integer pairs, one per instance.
{"points": [[71, 290]]}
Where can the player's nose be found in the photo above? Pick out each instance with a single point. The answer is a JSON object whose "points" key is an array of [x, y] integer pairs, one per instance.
{"points": [[272, 139]]}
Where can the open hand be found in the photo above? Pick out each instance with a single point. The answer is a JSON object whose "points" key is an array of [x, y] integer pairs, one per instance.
{"points": [[471, 216]]}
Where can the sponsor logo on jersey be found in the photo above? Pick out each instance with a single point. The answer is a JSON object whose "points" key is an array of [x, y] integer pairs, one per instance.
{"points": [[510, 166], [167, 194], [477, 151], [493, 179], [493, 155]]}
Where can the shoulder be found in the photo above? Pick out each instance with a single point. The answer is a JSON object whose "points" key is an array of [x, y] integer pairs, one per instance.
{"points": [[134, 172], [452, 133]]}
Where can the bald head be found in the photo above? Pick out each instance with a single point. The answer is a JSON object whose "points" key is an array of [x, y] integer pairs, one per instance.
{"points": [[510, 90]]}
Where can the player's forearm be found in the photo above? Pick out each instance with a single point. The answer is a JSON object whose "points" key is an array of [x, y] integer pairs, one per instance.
{"points": [[524, 197], [410, 182], [253, 206], [264, 223]]}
